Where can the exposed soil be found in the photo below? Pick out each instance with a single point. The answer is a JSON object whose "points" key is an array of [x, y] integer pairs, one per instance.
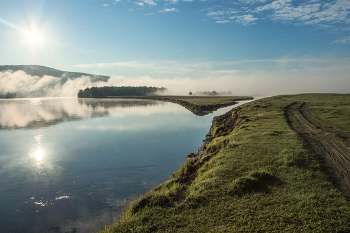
{"points": [[325, 140]]}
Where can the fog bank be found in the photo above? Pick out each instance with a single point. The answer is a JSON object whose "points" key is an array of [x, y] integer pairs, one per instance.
{"points": [[255, 82]]}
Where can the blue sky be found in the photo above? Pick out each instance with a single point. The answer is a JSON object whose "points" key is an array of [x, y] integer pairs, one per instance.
{"points": [[249, 40]]}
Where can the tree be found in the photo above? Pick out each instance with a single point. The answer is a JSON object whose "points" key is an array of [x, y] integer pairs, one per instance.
{"points": [[190, 93]]}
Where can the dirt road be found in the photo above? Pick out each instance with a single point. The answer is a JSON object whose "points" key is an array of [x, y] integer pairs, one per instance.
{"points": [[325, 140]]}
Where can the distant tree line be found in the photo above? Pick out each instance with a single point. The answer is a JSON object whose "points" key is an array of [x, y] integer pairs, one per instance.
{"points": [[212, 93], [103, 92], [9, 95]]}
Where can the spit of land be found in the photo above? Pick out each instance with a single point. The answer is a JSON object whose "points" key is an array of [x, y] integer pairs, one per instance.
{"points": [[279, 164]]}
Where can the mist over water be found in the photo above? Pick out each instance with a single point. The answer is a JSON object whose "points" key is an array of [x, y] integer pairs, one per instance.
{"points": [[42, 112], [284, 79], [47, 86]]}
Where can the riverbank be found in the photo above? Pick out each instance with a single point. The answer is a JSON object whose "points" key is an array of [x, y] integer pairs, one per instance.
{"points": [[198, 105], [257, 171]]}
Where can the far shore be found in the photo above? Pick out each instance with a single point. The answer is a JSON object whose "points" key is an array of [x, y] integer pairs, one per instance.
{"points": [[198, 105]]}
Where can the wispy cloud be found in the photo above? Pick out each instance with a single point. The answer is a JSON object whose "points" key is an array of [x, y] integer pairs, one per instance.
{"points": [[150, 2], [288, 75], [222, 21], [232, 15], [105, 5], [343, 41], [139, 3], [275, 5], [173, 1], [253, 1], [215, 13], [244, 19], [310, 12], [169, 10], [319, 13], [198, 68]]}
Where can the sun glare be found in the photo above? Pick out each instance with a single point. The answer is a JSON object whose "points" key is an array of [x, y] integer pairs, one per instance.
{"points": [[34, 38], [38, 154]]}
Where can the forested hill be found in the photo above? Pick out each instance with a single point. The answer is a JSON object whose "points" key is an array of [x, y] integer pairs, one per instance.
{"points": [[103, 92], [40, 71]]}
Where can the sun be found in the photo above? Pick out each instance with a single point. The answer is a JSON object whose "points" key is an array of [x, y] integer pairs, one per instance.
{"points": [[34, 38]]}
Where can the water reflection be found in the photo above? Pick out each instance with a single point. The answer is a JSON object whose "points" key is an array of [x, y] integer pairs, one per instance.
{"points": [[38, 154], [76, 176], [38, 113]]}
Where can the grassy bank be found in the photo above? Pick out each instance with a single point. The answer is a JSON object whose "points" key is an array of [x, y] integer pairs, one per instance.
{"points": [[199, 105], [257, 174]]}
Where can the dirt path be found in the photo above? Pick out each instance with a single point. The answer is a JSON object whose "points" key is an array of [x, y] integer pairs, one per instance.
{"points": [[325, 140]]}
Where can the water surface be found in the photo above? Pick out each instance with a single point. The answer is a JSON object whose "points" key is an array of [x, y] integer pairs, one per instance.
{"points": [[70, 165]]}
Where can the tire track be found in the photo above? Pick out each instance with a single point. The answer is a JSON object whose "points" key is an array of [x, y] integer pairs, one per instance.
{"points": [[322, 139], [309, 115]]}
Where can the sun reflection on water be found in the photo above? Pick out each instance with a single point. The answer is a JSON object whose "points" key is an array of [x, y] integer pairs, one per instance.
{"points": [[38, 155]]}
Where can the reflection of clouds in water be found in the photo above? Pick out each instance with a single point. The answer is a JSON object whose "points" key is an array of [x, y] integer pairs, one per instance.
{"points": [[149, 123], [126, 107], [42, 112]]}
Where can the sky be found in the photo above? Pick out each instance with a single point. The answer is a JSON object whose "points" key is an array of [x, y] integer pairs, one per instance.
{"points": [[248, 46]]}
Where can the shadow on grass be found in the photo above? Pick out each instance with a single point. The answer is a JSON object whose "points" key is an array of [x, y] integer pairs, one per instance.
{"points": [[257, 181]]}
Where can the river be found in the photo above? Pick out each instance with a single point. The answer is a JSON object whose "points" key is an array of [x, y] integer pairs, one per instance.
{"points": [[70, 165]]}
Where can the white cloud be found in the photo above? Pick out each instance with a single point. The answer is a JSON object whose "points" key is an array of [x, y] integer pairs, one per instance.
{"points": [[222, 21], [171, 69], [244, 19], [309, 12], [275, 5], [253, 1], [287, 77], [169, 10], [173, 1], [149, 14], [216, 13], [187, 0], [221, 16], [140, 3], [343, 41], [150, 2], [228, 15], [106, 5]]}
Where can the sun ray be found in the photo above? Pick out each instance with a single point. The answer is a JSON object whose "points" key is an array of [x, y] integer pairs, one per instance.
{"points": [[33, 37]]}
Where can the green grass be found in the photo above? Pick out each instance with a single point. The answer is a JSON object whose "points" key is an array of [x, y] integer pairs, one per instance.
{"points": [[259, 177], [334, 109]]}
